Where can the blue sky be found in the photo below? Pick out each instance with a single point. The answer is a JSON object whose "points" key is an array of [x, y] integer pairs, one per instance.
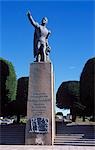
{"points": [[71, 40]]}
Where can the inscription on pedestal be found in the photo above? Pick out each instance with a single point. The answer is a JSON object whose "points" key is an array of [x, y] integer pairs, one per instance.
{"points": [[39, 125], [39, 103]]}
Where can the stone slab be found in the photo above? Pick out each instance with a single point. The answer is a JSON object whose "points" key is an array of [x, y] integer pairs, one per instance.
{"points": [[28, 147], [39, 128]]}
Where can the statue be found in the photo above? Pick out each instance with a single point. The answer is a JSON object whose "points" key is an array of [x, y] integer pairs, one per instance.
{"points": [[41, 46]]}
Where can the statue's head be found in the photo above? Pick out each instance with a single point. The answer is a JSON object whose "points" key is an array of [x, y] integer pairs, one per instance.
{"points": [[44, 20]]}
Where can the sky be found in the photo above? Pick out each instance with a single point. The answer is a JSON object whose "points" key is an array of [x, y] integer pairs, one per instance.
{"points": [[71, 40]]}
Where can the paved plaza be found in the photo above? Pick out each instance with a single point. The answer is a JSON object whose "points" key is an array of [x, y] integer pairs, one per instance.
{"points": [[24, 147]]}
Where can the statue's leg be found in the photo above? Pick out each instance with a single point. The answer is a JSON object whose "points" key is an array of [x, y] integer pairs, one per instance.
{"points": [[39, 57], [44, 53], [38, 52], [42, 56], [36, 59], [41, 52]]}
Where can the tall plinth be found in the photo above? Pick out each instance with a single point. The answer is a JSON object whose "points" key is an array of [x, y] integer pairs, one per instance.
{"points": [[40, 106]]}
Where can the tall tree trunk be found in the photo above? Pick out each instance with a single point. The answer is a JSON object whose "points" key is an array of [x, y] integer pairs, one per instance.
{"points": [[83, 116], [73, 113], [18, 118]]}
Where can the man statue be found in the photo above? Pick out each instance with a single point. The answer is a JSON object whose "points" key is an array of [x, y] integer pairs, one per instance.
{"points": [[41, 46]]}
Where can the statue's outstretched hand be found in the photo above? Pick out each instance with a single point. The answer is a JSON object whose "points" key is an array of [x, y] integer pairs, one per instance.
{"points": [[49, 32], [28, 14]]}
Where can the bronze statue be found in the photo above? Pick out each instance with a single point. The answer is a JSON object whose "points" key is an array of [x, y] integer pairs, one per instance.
{"points": [[41, 46]]}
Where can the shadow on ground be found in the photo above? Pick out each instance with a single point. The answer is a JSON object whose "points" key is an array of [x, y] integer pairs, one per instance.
{"points": [[87, 130], [15, 134]]}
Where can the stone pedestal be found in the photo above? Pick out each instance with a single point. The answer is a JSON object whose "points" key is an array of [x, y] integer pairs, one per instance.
{"points": [[40, 106]]}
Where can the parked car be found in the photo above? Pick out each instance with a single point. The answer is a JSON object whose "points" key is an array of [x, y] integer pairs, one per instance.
{"points": [[59, 118], [6, 121], [67, 120]]}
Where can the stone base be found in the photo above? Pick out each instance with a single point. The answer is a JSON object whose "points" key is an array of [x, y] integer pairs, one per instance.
{"points": [[39, 127]]}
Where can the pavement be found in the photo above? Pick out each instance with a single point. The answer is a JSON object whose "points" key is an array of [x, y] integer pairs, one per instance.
{"points": [[74, 128], [12, 137], [81, 123], [26, 147]]}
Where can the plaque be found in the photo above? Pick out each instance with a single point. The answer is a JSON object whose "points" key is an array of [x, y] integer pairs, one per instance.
{"points": [[39, 125]]}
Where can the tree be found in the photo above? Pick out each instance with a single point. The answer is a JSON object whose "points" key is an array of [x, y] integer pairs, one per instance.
{"points": [[87, 81], [8, 84], [59, 113], [67, 93], [22, 96], [68, 97]]}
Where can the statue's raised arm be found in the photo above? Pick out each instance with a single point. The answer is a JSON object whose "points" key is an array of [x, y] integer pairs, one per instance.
{"points": [[33, 22], [41, 34]]}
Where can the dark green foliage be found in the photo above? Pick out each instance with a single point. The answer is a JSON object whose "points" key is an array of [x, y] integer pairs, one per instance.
{"points": [[67, 94], [4, 72], [22, 95], [87, 82], [59, 113], [8, 84], [11, 83], [11, 108], [8, 76], [19, 107], [68, 97]]}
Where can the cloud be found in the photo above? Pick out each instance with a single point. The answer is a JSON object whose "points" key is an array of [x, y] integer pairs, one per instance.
{"points": [[72, 67]]}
